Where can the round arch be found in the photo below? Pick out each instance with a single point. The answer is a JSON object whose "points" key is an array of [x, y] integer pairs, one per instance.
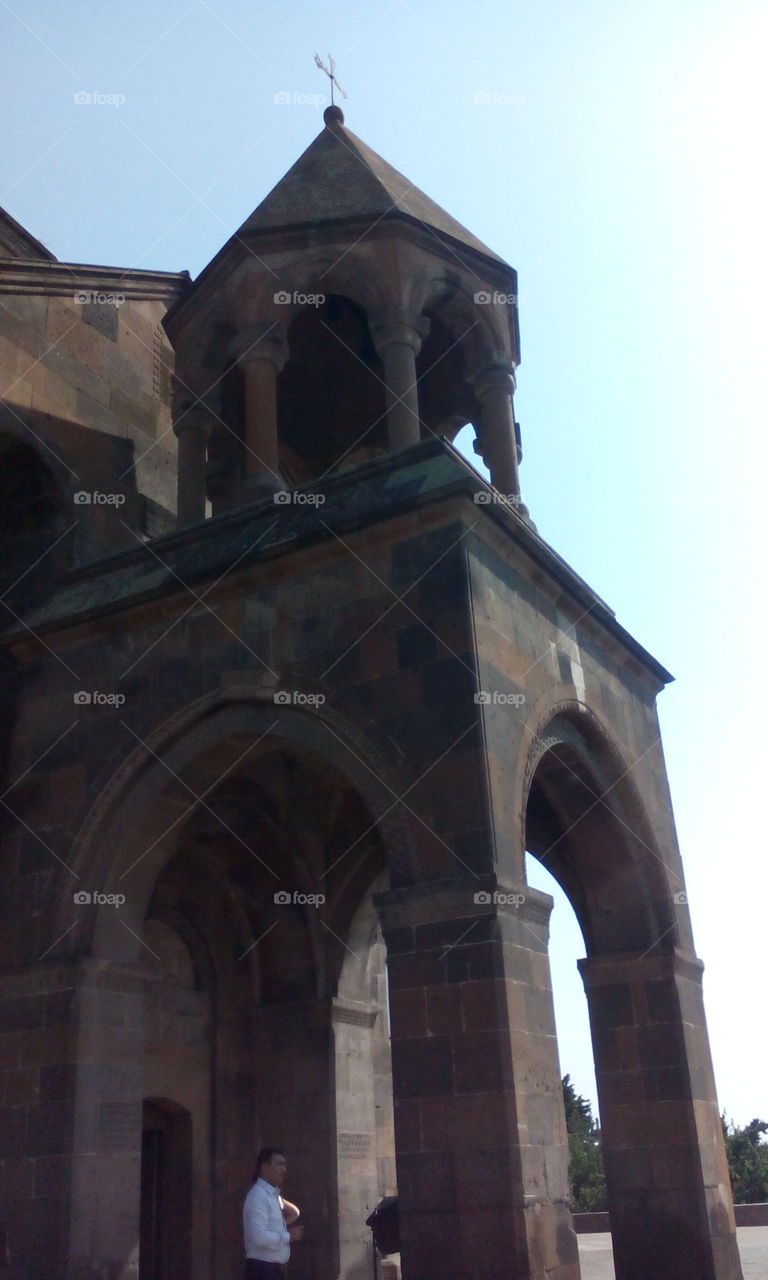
{"points": [[585, 820], [453, 296], [320, 270]]}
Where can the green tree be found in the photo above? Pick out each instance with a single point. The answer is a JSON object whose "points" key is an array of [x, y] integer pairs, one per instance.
{"points": [[747, 1160], [585, 1165]]}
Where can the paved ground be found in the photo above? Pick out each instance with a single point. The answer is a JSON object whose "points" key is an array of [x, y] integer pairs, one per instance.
{"points": [[597, 1258]]}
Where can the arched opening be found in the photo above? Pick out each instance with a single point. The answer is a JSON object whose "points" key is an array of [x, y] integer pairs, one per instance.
{"points": [[584, 824], [566, 948], [330, 394], [660, 1130], [446, 399], [31, 521], [282, 843], [244, 913], [586, 1180]]}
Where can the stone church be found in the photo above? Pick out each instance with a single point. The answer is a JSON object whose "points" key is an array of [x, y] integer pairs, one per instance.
{"points": [[288, 691]]}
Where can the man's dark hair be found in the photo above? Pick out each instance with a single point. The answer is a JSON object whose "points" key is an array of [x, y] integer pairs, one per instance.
{"points": [[264, 1157]]}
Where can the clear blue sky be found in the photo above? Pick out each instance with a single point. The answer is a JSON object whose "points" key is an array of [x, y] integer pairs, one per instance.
{"points": [[619, 167]]}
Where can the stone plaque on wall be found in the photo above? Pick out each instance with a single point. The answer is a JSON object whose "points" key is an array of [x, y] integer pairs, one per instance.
{"points": [[355, 1145]]}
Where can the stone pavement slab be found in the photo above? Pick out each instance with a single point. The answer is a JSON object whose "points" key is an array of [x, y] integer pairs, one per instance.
{"points": [[596, 1255]]}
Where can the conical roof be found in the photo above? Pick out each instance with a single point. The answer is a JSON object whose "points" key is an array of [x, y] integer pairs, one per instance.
{"points": [[340, 178]]}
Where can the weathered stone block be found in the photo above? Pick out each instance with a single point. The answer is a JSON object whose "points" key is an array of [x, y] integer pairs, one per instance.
{"points": [[422, 1067]]}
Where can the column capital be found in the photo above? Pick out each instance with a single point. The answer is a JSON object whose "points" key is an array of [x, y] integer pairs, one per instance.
{"points": [[195, 414], [495, 372], [187, 399], [195, 419], [473, 897], [398, 325], [255, 343], [639, 966]]}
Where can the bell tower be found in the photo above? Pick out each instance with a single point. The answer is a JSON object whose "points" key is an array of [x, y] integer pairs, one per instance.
{"points": [[348, 318]]}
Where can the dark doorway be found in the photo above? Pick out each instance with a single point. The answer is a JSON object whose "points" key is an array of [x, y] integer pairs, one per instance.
{"points": [[166, 1192]]}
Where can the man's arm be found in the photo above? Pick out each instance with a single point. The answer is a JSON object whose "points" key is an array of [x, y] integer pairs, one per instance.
{"points": [[256, 1230], [290, 1211]]}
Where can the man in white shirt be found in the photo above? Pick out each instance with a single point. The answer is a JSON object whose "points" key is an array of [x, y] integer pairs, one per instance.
{"points": [[268, 1219]]}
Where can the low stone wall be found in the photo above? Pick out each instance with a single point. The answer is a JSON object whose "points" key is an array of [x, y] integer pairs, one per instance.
{"points": [[585, 1223], [751, 1215], [747, 1215]]}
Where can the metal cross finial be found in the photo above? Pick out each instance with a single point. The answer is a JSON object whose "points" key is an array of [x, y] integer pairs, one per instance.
{"points": [[330, 71]]}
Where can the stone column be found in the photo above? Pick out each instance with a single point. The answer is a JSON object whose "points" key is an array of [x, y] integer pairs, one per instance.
{"points": [[40, 1068], [106, 1101], [193, 420], [355, 1131], [397, 334], [192, 430], [482, 1153], [261, 356], [494, 385], [665, 1164]]}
